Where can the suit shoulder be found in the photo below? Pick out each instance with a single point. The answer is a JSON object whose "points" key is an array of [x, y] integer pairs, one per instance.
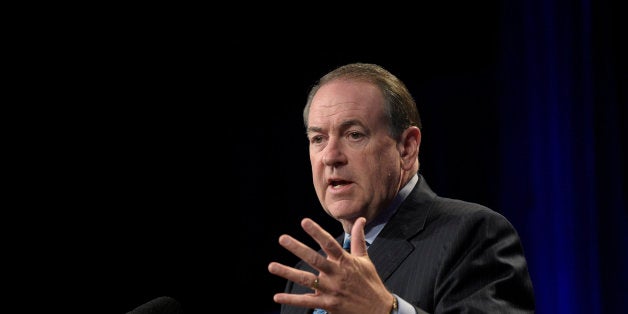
{"points": [[459, 211]]}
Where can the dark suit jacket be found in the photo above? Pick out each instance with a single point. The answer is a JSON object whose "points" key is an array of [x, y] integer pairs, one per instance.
{"points": [[447, 256]]}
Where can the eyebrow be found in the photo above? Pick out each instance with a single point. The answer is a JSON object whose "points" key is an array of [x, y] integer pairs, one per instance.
{"points": [[344, 125], [311, 129]]}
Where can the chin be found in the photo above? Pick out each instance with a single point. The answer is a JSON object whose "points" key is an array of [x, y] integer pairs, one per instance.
{"points": [[339, 211]]}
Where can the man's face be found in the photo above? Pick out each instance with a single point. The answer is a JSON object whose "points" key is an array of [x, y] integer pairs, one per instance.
{"points": [[356, 165]]}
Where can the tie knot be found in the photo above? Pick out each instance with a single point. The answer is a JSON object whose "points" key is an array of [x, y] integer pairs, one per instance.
{"points": [[347, 243]]}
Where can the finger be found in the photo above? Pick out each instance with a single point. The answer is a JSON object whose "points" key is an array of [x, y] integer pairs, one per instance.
{"points": [[300, 277], [325, 240], [358, 239], [307, 300], [304, 252]]}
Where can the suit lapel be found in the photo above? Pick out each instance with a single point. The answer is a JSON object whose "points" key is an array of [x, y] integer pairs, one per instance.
{"points": [[392, 245]]}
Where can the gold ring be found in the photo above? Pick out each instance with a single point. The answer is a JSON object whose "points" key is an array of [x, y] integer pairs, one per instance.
{"points": [[315, 284]]}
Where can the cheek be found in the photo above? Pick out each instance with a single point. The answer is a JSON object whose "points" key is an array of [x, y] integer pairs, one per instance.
{"points": [[317, 171], [389, 164], [314, 162]]}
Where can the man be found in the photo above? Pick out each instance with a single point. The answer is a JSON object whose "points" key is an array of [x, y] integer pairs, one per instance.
{"points": [[411, 251]]}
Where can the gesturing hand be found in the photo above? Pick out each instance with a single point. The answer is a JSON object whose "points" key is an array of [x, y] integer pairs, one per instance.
{"points": [[346, 283]]}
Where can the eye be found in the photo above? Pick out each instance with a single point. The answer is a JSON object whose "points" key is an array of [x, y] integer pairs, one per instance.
{"points": [[356, 135], [316, 139]]}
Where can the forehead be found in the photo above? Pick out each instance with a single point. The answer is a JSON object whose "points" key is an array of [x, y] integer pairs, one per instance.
{"points": [[341, 100]]}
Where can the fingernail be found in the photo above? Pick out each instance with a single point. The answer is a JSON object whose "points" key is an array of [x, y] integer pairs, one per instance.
{"points": [[284, 240]]}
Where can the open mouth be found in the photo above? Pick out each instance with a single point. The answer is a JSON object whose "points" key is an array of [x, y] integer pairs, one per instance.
{"points": [[338, 183]]}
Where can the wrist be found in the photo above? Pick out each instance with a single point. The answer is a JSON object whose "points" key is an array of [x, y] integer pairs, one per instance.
{"points": [[395, 305]]}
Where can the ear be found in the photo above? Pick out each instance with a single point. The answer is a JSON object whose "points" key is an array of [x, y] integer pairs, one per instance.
{"points": [[408, 147]]}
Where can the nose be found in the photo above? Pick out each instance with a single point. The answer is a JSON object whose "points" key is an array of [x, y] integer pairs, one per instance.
{"points": [[333, 154]]}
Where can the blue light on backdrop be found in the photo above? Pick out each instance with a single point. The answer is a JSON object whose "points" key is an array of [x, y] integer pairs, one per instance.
{"points": [[563, 151]]}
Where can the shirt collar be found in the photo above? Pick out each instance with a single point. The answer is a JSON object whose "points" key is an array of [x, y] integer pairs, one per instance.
{"points": [[373, 229]]}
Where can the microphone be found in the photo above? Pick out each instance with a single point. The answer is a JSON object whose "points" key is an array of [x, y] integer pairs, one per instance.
{"points": [[161, 305]]}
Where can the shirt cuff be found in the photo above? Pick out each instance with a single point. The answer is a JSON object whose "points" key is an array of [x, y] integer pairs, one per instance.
{"points": [[404, 306]]}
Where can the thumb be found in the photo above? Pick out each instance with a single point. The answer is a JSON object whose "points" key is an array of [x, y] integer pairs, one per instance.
{"points": [[358, 240]]}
